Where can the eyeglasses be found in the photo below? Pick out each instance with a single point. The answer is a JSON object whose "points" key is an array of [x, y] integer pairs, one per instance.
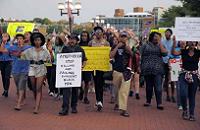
{"points": [[98, 31]]}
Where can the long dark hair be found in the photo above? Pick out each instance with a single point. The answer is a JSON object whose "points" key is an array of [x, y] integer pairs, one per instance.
{"points": [[60, 41], [88, 36]]}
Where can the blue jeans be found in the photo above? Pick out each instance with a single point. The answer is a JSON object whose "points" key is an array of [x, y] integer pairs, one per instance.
{"points": [[188, 90], [154, 81], [178, 93]]}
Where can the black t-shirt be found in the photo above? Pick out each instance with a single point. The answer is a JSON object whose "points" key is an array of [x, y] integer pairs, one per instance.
{"points": [[190, 63], [76, 48], [83, 44], [121, 59]]}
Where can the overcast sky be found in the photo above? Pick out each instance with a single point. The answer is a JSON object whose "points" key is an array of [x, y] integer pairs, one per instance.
{"points": [[29, 9]]}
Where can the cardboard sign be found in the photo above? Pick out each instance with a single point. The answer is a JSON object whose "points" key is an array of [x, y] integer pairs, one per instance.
{"points": [[98, 58], [175, 65], [187, 29], [68, 70], [19, 28]]}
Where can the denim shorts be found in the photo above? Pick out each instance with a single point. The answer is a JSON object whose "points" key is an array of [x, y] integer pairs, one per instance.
{"points": [[21, 81]]}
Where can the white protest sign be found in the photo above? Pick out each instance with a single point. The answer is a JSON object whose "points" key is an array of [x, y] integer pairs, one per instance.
{"points": [[175, 65], [187, 29], [68, 70]]}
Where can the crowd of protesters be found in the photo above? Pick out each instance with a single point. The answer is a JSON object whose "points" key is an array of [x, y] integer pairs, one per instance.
{"points": [[31, 60]]}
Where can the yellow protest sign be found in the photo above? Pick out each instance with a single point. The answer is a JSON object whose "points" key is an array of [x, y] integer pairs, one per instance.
{"points": [[98, 58], [19, 28]]}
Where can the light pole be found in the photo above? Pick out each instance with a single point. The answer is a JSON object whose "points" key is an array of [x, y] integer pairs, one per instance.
{"points": [[70, 10]]}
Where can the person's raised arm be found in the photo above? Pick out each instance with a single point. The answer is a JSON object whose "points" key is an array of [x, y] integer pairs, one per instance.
{"points": [[175, 52]]}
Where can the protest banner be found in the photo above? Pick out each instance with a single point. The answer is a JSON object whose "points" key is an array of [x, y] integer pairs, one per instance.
{"points": [[175, 65], [19, 28], [68, 70], [98, 58], [187, 29]]}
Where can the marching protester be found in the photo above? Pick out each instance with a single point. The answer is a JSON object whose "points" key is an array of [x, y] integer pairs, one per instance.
{"points": [[56, 48], [71, 92], [27, 36], [134, 44], [86, 75], [98, 41], [5, 63], [152, 68], [168, 43], [49, 48], [189, 77], [121, 54], [20, 69], [37, 70]]}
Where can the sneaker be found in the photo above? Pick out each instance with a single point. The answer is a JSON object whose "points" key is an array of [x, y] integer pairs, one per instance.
{"points": [[131, 93], [147, 104], [124, 114], [137, 96], [99, 106], [180, 108], [160, 107], [56, 95], [185, 115], [86, 101], [74, 110], [192, 118], [63, 112], [51, 94]]}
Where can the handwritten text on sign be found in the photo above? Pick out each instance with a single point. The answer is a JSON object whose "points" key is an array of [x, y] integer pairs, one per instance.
{"points": [[187, 29], [68, 70], [98, 58]]}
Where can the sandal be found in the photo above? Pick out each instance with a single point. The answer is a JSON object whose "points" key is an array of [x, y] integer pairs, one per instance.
{"points": [[17, 108]]}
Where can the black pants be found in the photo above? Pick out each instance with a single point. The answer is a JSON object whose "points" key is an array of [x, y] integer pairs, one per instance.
{"points": [[154, 81], [99, 83], [6, 68], [67, 94], [52, 85], [49, 70]]}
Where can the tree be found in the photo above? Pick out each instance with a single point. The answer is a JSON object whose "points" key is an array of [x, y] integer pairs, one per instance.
{"points": [[193, 6], [46, 21], [169, 15], [190, 8], [37, 20]]}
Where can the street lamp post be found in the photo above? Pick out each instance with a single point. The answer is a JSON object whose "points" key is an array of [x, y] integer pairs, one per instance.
{"points": [[71, 9]]}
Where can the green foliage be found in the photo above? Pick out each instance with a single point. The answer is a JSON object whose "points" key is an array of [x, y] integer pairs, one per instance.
{"points": [[190, 8], [193, 6], [171, 13], [37, 20]]}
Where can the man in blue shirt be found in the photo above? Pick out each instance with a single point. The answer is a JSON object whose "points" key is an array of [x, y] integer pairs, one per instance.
{"points": [[5, 63], [168, 43], [20, 69]]}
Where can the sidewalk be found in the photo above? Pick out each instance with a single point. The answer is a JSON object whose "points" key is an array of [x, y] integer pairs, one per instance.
{"points": [[88, 119]]}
